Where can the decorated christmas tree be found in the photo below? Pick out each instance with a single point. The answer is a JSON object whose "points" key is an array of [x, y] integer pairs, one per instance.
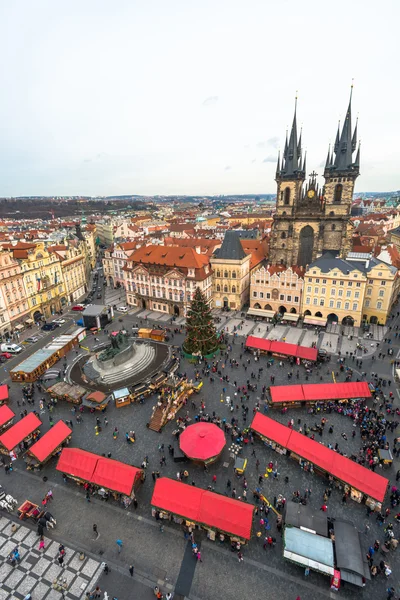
{"points": [[201, 335]]}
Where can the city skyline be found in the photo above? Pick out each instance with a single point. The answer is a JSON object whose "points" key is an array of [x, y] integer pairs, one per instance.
{"points": [[183, 99]]}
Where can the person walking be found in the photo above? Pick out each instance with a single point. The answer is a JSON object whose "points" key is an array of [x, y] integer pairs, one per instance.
{"points": [[95, 531], [119, 544], [131, 570]]}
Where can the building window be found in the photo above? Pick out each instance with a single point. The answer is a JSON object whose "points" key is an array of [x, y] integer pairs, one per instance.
{"points": [[341, 282], [367, 303], [379, 305], [333, 292], [225, 289], [334, 282], [287, 196], [369, 291], [355, 306], [308, 300], [317, 280], [348, 294], [358, 284], [337, 198], [338, 304], [349, 283], [356, 295], [296, 299], [309, 289], [254, 294], [383, 282], [268, 295], [381, 293], [234, 291], [346, 305], [324, 281], [316, 290], [323, 291], [281, 297], [218, 288], [321, 302], [289, 298], [331, 303], [315, 300], [371, 281], [226, 274], [234, 274]]}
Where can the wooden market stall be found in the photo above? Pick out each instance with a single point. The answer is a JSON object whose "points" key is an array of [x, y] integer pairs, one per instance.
{"points": [[23, 433], [158, 335], [4, 393], [202, 442], [6, 417], [362, 483], [215, 513], [122, 397], [105, 475], [298, 395], [67, 391], [35, 365], [50, 444], [281, 348], [96, 400], [173, 393]]}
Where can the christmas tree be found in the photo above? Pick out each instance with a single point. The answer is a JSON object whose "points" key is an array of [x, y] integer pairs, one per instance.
{"points": [[201, 335]]}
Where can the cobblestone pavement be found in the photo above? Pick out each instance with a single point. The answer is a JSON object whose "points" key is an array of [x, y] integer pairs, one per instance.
{"points": [[38, 571], [158, 556]]}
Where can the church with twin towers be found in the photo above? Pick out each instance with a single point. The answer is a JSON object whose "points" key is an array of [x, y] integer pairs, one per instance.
{"points": [[309, 220]]}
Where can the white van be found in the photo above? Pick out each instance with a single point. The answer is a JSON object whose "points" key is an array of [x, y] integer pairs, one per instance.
{"points": [[12, 348], [122, 309]]}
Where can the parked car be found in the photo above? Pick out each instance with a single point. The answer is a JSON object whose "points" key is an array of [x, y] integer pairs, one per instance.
{"points": [[12, 348], [49, 326], [59, 322], [32, 339], [98, 296], [78, 307], [123, 309], [5, 356]]}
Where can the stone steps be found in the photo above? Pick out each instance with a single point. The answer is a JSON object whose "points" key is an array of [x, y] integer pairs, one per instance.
{"points": [[156, 420], [144, 356]]}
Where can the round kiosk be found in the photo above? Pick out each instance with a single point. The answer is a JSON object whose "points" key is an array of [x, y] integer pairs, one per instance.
{"points": [[202, 442]]}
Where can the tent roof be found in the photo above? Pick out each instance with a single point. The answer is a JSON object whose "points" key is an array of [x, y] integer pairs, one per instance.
{"points": [[18, 432], [298, 515], [77, 463], [214, 510], [115, 476], [349, 554], [6, 414], [281, 348], [3, 392], [309, 545], [271, 429], [202, 441], [362, 479], [50, 441], [320, 391]]}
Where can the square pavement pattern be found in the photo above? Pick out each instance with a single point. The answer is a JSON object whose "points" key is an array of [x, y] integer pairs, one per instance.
{"points": [[38, 571]]}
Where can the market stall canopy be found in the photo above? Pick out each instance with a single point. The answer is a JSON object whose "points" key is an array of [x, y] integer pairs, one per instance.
{"points": [[6, 414], [95, 400], [230, 516], [51, 440], [257, 343], [304, 517], [202, 441], [317, 321], [115, 476], [349, 555], [259, 312], [309, 550], [62, 388], [122, 393], [362, 479], [4, 396], [19, 327], [21, 430], [77, 463], [320, 391]]}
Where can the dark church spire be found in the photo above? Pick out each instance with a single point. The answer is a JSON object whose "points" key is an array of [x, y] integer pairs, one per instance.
{"points": [[345, 145], [292, 163]]}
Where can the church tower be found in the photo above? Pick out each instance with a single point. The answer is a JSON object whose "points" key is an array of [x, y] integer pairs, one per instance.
{"points": [[309, 221], [340, 175]]}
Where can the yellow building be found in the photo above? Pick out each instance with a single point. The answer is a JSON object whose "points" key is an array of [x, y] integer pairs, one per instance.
{"points": [[355, 290], [42, 279], [73, 262]]}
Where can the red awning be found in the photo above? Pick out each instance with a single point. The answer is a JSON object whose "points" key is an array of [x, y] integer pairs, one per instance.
{"points": [[336, 391], [362, 479], [4, 393], [201, 506], [284, 348], [202, 441], [287, 393], [320, 391], [6, 414], [77, 463], [50, 441], [274, 431], [115, 476], [258, 343], [21, 430]]}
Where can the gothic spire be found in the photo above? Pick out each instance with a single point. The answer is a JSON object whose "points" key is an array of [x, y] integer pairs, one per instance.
{"points": [[357, 161], [292, 154], [278, 165], [345, 144], [328, 158]]}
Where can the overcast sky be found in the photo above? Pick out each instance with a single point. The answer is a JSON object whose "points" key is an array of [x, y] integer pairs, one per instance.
{"points": [[190, 96]]}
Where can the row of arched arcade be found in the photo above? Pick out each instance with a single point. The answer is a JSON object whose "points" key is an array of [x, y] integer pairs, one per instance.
{"points": [[331, 318]]}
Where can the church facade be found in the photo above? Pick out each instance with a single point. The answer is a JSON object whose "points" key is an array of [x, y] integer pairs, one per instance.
{"points": [[309, 220]]}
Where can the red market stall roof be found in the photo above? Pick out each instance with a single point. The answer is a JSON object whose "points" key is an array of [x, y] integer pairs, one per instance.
{"points": [[77, 463], [320, 391], [115, 476], [202, 441], [50, 441], [362, 479], [281, 348], [3, 392], [271, 429], [18, 432], [6, 414], [201, 506], [104, 472]]}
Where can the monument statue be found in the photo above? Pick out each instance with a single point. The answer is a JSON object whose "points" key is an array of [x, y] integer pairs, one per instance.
{"points": [[119, 343]]}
